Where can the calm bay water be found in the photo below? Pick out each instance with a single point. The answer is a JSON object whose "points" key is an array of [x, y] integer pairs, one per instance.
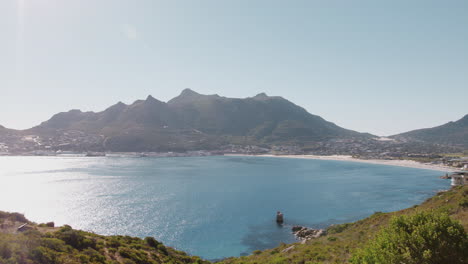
{"points": [[212, 207]]}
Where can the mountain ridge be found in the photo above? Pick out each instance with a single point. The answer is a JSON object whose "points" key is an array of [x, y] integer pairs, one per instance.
{"points": [[451, 133], [192, 121]]}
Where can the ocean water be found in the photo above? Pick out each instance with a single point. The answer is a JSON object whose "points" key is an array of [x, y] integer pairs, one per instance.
{"points": [[213, 207]]}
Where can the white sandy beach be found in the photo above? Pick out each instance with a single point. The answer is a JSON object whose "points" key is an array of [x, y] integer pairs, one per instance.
{"points": [[401, 163]]}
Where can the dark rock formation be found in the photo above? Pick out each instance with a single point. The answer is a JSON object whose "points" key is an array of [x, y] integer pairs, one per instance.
{"points": [[279, 217], [305, 233]]}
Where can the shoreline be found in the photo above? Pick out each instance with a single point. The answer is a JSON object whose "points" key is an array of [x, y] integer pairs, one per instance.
{"points": [[398, 163]]}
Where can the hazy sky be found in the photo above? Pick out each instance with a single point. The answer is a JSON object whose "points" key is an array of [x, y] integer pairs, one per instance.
{"points": [[382, 67]]}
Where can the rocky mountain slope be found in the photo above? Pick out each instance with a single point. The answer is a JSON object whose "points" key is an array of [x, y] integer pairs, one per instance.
{"points": [[190, 121]]}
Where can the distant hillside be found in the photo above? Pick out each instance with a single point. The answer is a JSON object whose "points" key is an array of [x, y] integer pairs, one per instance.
{"points": [[452, 133], [3, 129], [193, 121]]}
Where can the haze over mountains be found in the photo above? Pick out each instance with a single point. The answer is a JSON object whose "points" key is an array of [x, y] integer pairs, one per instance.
{"points": [[192, 121]]}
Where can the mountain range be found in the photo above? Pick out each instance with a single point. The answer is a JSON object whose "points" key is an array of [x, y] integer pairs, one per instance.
{"points": [[195, 121], [192, 121]]}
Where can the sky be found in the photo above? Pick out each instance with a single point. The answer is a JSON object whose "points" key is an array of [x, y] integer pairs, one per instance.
{"points": [[382, 67]]}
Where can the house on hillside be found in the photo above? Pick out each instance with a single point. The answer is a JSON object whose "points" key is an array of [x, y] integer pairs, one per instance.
{"points": [[458, 162], [23, 228], [459, 178]]}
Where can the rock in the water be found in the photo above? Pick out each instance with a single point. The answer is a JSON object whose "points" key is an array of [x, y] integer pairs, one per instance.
{"points": [[296, 228], [279, 217], [305, 233]]}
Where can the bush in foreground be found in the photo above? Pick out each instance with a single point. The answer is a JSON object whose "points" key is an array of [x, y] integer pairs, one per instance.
{"points": [[423, 238]]}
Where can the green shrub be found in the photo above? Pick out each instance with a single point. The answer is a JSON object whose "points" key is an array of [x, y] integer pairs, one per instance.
{"points": [[126, 252], [44, 255], [152, 242], [83, 258], [5, 251], [423, 238], [335, 229], [75, 238], [163, 249], [464, 202], [94, 256], [113, 242], [17, 217], [54, 244], [128, 261], [138, 256]]}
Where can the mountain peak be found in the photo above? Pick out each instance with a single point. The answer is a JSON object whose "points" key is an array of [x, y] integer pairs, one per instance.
{"points": [[150, 98], [261, 96], [188, 92], [117, 106], [463, 120], [186, 95]]}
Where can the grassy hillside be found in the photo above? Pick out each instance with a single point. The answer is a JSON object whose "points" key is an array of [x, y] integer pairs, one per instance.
{"points": [[343, 240], [49, 245], [43, 244]]}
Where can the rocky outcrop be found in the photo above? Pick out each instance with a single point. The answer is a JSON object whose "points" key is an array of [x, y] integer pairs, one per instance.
{"points": [[304, 233], [279, 217]]}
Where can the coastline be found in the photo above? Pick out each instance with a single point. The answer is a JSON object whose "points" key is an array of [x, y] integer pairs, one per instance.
{"points": [[284, 249], [399, 163]]}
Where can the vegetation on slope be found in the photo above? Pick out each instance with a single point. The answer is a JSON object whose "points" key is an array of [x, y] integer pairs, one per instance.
{"points": [[423, 238], [344, 241], [47, 245]]}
